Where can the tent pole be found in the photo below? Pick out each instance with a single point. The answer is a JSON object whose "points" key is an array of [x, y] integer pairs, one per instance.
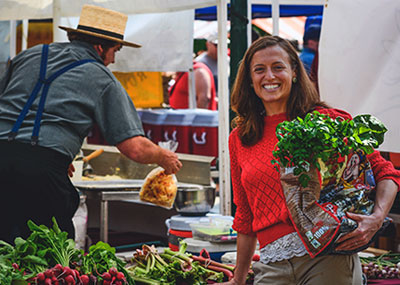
{"points": [[24, 40], [223, 110], [13, 38], [192, 89], [275, 17], [57, 33]]}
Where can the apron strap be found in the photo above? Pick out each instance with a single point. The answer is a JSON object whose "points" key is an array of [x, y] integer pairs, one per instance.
{"points": [[41, 81]]}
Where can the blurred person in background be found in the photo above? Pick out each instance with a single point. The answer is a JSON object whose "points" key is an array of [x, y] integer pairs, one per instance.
{"points": [[310, 45], [204, 87]]}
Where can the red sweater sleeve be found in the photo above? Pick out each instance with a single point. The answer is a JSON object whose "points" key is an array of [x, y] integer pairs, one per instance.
{"points": [[243, 220]]}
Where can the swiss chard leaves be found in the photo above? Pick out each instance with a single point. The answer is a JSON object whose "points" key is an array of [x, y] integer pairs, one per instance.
{"points": [[303, 142]]}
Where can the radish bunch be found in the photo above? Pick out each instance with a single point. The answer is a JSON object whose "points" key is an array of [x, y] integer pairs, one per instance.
{"points": [[60, 275], [113, 277]]}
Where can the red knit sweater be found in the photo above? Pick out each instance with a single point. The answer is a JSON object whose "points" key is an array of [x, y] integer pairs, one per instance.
{"points": [[257, 190]]}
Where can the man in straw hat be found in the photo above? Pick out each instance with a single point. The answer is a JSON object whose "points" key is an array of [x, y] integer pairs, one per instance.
{"points": [[50, 97]]}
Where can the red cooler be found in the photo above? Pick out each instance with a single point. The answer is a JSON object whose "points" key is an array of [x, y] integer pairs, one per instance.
{"points": [[177, 127], [205, 133], [153, 121]]}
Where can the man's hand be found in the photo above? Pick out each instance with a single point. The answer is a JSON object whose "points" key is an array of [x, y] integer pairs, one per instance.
{"points": [[170, 162]]}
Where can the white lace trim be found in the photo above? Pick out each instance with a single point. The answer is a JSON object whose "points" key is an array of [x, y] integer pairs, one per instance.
{"points": [[283, 248]]}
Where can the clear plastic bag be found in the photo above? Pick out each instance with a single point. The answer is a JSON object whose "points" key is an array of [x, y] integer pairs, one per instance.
{"points": [[158, 188]]}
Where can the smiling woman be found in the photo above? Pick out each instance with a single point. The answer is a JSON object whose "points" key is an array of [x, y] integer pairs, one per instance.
{"points": [[272, 76], [272, 87]]}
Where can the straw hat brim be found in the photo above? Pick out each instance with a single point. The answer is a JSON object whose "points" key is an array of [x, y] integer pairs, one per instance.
{"points": [[125, 43]]}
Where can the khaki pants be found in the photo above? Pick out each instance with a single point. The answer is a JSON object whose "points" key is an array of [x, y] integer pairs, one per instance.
{"points": [[324, 270]]}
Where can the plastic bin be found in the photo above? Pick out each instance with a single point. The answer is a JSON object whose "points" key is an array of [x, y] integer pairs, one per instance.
{"points": [[177, 127], [153, 121], [205, 133], [216, 250], [215, 228]]}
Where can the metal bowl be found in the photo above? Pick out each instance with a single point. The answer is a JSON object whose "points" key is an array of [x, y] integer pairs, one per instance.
{"points": [[195, 200]]}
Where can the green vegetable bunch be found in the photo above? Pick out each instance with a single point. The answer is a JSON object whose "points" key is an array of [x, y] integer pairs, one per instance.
{"points": [[305, 143], [100, 258]]}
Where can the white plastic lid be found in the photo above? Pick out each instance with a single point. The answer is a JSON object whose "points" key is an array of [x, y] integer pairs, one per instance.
{"points": [[154, 117], [195, 246]]}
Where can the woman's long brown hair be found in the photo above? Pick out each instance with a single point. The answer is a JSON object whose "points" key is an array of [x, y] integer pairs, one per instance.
{"points": [[249, 107]]}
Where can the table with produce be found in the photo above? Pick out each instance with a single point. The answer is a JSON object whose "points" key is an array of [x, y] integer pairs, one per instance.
{"points": [[47, 256]]}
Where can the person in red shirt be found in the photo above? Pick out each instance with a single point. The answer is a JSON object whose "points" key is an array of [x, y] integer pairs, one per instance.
{"points": [[204, 87], [272, 86]]}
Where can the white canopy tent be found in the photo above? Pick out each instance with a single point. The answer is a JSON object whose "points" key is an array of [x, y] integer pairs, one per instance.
{"points": [[360, 61]]}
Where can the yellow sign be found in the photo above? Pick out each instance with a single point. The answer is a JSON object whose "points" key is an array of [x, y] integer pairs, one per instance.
{"points": [[144, 88]]}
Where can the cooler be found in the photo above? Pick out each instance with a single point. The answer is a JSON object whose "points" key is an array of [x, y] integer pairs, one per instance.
{"points": [[216, 250], [153, 121], [205, 133], [177, 127], [178, 229]]}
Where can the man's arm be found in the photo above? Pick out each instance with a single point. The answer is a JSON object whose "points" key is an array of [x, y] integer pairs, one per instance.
{"points": [[203, 88], [143, 150]]}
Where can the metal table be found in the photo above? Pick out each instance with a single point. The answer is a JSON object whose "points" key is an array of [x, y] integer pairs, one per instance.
{"points": [[113, 190], [126, 190]]}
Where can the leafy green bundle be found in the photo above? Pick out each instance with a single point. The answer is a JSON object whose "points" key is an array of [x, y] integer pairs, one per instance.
{"points": [[305, 143]]}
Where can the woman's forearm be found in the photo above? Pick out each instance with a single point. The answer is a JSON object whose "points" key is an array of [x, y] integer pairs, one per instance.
{"points": [[386, 191], [246, 245]]}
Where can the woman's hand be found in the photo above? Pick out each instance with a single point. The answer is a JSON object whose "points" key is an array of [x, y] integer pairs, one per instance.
{"points": [[367, 227]]}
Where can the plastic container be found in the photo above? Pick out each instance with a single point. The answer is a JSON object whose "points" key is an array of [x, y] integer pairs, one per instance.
{"points": [[216, 250], [205, 133], [153, 121], [177, 127], [214, 229]]}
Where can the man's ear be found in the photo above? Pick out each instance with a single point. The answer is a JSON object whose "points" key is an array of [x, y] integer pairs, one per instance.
{"points": [[99, 49]]}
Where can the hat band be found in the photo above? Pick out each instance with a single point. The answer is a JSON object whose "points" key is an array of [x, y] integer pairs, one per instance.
{"points": [[100, 31]]}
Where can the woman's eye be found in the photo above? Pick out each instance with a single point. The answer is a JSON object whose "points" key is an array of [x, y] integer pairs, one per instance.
{"points": [[278, 67], [258, 69]]}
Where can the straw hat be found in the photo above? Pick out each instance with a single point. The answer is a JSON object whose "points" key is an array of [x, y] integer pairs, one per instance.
{"points": [[102, 23]]}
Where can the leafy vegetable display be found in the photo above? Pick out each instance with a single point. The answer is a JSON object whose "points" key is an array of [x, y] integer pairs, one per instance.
{"points": [[48, 256], [320, 140], [385, 266], [170, 267]]}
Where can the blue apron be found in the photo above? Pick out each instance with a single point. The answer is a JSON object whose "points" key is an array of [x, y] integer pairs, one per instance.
{"points": [[42, 81]]}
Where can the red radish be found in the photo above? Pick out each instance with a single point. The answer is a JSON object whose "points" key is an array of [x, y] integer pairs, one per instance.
{"points": [[106, 282], [120, 276], [118, 282], [67, 271], [49, 273], [69, 279], [106, 276], [15, 266], [85, 279], [41, 276], [113, 271], [47, 281]]}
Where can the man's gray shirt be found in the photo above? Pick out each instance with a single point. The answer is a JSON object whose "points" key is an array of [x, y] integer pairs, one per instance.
{"points": [[77, 99]]}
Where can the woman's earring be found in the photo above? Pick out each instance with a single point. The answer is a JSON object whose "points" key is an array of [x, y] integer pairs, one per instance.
{"points": [[251, 85], [294, 79]]}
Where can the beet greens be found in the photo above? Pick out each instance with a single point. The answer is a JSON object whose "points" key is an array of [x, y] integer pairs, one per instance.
{"points": [[307, 143]]}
